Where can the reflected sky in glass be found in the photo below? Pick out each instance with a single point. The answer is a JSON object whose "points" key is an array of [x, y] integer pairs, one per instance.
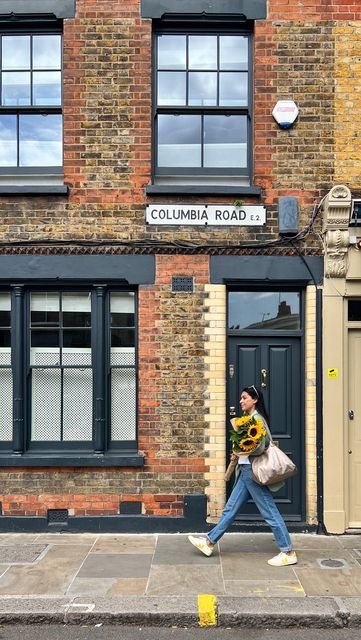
{"points": [[202, 89], [8, 141], [40, 140], [233, 89], [225, 141], [259, 310], [16, 52], [179, 141], [171, 88], [15, 88], [202, 52], [47, 88], [233, 53], [47, 52], [172, 52]]}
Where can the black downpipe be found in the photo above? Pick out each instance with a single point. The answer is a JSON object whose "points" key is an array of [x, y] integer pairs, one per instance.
{"points": [[321, 529]]}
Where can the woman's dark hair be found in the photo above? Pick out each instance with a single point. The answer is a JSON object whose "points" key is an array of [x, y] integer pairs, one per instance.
{"points": [[257, 394]]}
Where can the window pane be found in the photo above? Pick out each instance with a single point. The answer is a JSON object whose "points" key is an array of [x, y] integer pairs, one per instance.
{"points": [[171, 88], [40, 338], [122, 309], [264, 310], [15, 89], [16, 52], [179, 141], [233, 89], [203, 52], [77, 338], [233, 52], [76, 309], [123, 338], [8, 146], [46, 52], [47, 87], [123, 404], [5, 308], [225, 141], [40, 140], [354, 310], [44, 309], [5, 339], [77, 404], [46, 405], [203, 89], [172, 52]]}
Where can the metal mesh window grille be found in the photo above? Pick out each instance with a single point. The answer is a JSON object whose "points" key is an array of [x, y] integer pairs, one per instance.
{"points": [[123, 404], [6, 376], [61, 361]]}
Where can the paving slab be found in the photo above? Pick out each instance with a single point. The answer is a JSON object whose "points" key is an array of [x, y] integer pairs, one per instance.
{"points": [[144, 544], [320, 582], [177, 550], [185, 580], [264, 588], [115, 566]]}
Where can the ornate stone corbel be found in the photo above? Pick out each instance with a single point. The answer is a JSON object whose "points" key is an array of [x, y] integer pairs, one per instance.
{"points": [[336, 219]]}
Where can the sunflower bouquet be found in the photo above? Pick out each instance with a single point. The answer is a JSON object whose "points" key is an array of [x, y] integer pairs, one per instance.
{"points": [[247, 438], [247, 434]]}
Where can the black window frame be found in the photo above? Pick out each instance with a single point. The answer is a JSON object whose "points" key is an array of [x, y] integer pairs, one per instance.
{"points": [[101, 445], [33, 29], [203, 27]]}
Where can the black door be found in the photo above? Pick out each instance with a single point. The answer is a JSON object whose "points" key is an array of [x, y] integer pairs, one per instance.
{"points": [[274, 365]]}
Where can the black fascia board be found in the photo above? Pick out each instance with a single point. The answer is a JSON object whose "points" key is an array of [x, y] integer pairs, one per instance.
{"points": [[123, 269], [245, 9], [59, 8], [265, 269]]}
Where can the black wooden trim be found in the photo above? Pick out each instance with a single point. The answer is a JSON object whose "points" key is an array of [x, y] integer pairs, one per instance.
{"points": [[44, 269], [72, 460], [210, 190], [34, 190], [243, 9], [265, 269], [99, 373], [59, 8], [18, 359]]}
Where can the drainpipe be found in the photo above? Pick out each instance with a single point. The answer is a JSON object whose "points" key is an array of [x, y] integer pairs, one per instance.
{"points": [[321, 529]]}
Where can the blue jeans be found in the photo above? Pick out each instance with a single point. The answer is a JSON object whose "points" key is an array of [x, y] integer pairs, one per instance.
{"points": [[244, 488]]}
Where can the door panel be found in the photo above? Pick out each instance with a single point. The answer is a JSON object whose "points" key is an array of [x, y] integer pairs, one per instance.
{"points": [[354, 458], [281, 358]]}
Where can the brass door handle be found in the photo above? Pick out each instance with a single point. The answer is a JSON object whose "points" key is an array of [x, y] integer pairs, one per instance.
{"points": [[232, 411], [263, 378]]}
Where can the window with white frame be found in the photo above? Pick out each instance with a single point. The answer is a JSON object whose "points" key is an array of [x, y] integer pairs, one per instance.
{"points": [[31, 128], [79, 372], [202, 114]]}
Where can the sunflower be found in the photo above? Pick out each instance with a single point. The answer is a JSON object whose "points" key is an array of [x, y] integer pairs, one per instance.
{"points": [[243, 422], [256, 430], [248, 444]]}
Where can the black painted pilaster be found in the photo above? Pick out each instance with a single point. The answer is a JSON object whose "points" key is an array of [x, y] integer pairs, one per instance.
{"points": [[99, 370], [18, 363]]}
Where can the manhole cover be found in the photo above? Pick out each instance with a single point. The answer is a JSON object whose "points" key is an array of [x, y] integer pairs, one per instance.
{"points": [[332, 563], [24, 554]]}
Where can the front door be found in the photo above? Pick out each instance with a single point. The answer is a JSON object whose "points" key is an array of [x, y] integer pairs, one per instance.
{"points": [[354, 442], [274, 365]]}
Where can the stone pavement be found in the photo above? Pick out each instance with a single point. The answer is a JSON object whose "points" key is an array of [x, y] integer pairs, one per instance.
{"points": [[156, 579]]}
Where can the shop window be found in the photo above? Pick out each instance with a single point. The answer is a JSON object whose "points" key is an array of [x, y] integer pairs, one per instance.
{"points": [[77, 348], [202, 115]]}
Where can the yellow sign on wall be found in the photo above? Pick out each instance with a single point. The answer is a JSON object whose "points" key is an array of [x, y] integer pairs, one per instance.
{"points": [[332, 373]]}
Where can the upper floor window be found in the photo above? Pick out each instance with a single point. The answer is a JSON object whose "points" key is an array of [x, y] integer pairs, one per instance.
{"points": [[202, 107], [30, 100]]}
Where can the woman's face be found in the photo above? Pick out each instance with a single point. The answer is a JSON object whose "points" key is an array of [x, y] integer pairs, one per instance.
{"points": [[247, 403]]}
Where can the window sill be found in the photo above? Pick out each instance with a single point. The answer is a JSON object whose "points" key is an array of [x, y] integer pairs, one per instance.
{"points": [[193, 190], [72, 460], [36, 190]]}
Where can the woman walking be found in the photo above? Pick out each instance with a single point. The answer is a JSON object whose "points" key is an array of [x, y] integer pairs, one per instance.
{"points": [[252, 403]]}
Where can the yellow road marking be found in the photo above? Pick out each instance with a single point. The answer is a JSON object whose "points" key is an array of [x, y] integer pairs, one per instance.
{"points": [[207, 610]]}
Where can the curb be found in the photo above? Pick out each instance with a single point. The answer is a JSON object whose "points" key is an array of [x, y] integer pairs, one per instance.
{"points": [[312, 612]]}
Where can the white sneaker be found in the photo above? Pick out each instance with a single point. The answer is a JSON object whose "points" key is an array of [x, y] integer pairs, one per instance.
{"points": [[201, 544], [283, 559]]}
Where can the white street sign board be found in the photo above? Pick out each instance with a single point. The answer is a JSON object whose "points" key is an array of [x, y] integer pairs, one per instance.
{"points": [[203, 215]]}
